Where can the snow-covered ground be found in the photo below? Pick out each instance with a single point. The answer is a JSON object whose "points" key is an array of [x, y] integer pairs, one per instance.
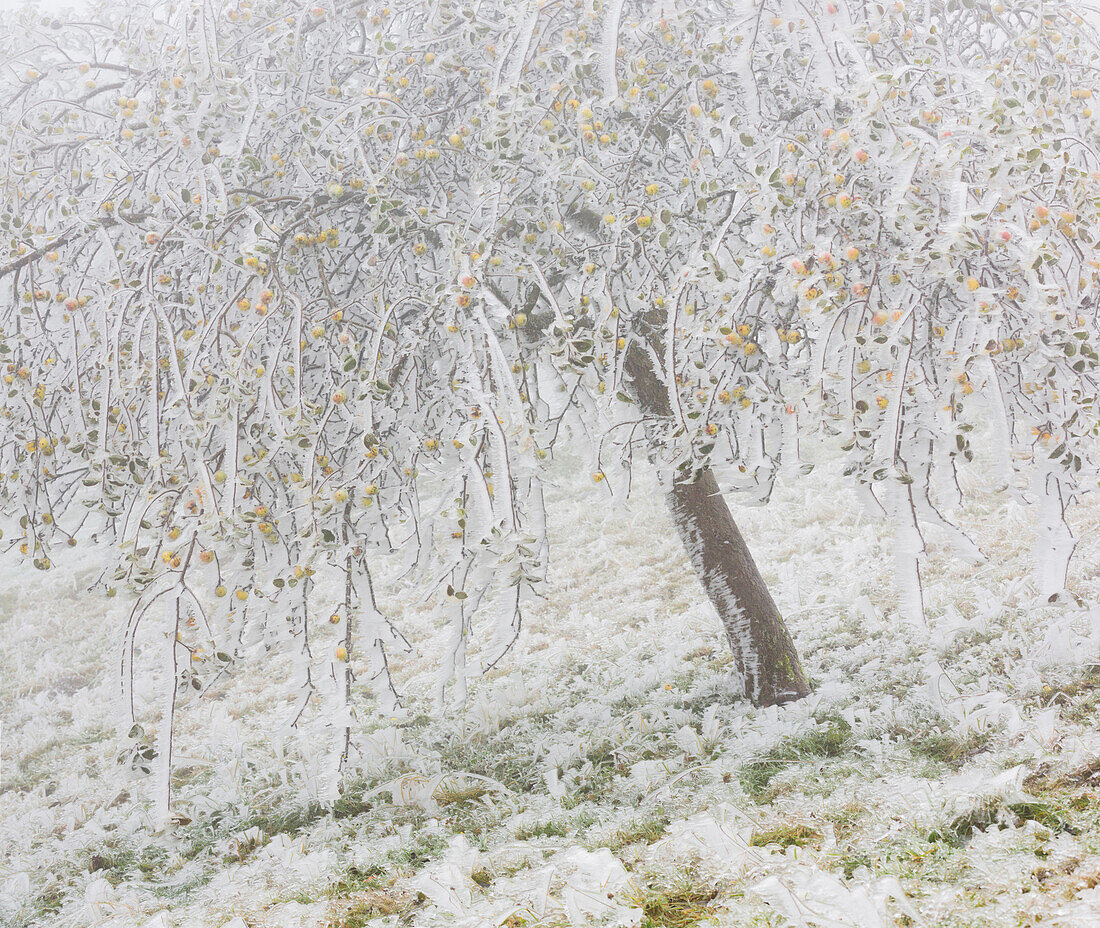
{"points": [[941, 775]]}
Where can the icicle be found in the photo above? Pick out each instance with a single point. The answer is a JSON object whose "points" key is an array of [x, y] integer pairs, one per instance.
{"points": [[453, 667], [502, 471], [945, 477], [163, 787], [506, 627], [960, 193], [518, 58], [302, 660], [342, 674], [378, 631], [499, 365], [822, 63], [1001, 437], [960, 542], [743, 68], [872, 506], [535, 523], [1054, 542], [479, 508], [908, 551], [790, 464], [609, 49]]}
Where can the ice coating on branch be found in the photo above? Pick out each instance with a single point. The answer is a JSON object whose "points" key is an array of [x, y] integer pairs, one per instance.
{"points": [[1054, 542], [908, 552], [162, 794], [517, 57], [609, 48], [1002, 429], [946, 486]]}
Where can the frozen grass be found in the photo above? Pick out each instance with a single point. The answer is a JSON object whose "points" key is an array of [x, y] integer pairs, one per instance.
{"points": [[943, 775]]}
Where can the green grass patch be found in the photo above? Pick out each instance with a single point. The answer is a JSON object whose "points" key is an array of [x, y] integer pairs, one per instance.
{"points": [[552, 828], [116, 863], [829, 740], [756, 776], [352, 801], [1069, 692], [951, 749], [290, 820], [46, 903], [556, 827], [680, 905], [596, 787], [847, 818], [356, 880], [35, 769], [850, 863], [454, 792], [648, 830], [787, 835], [496, 759], [199, 836], [474, 820], [423, 850], [998, 812], [182, 892], [364, 895], [361, 913]]}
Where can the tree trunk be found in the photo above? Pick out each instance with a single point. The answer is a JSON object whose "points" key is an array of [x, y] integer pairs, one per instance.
{"points": [[761, 644]]}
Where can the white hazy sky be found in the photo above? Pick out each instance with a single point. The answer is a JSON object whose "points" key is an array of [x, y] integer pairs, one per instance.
{"points": [[1088, 8], [47, 6], [51, 6]]}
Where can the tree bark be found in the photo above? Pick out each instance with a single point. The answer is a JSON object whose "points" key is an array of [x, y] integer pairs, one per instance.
{"points": [[762, 647]]}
